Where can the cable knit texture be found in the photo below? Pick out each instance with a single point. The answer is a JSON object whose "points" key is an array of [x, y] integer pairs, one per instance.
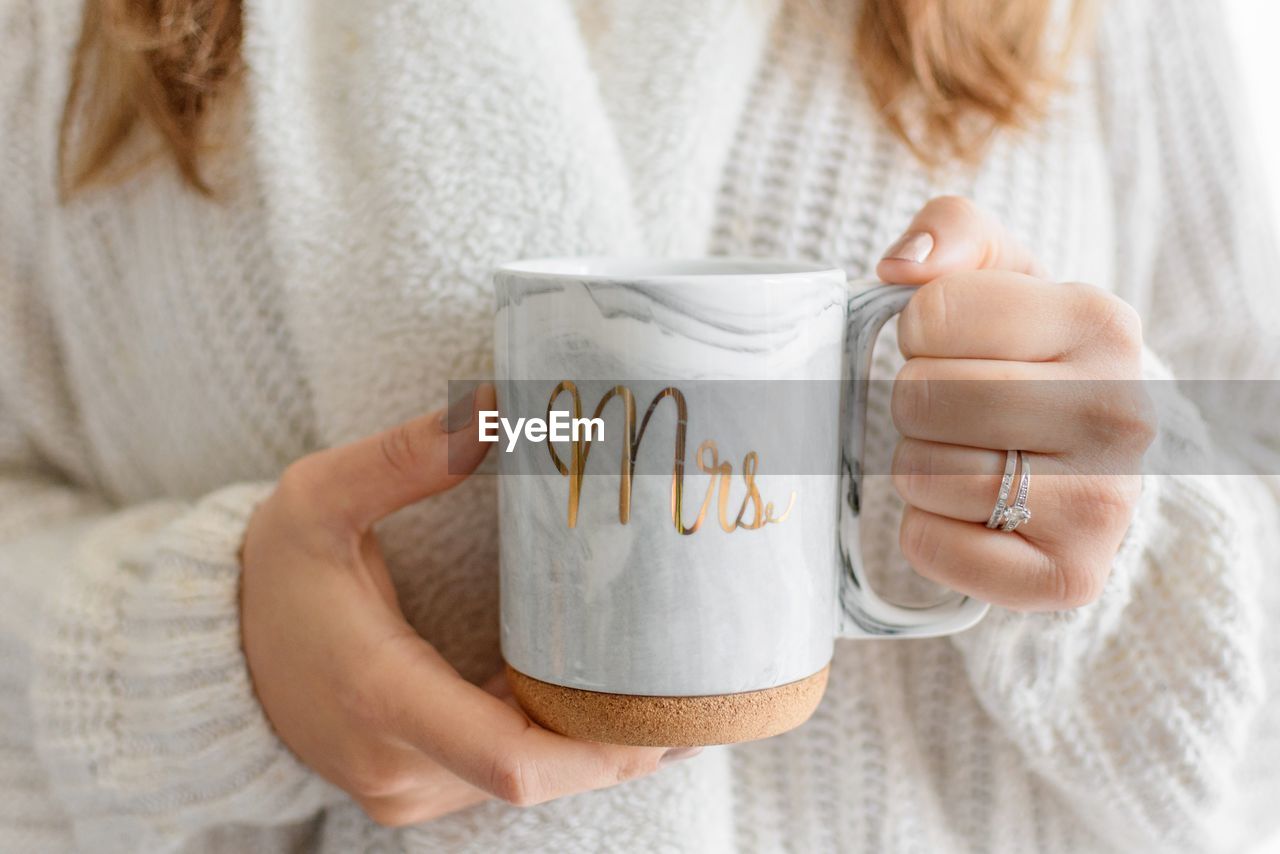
{"points": [[162, 357]]}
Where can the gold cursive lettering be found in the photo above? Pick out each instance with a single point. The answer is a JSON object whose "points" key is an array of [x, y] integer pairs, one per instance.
{"points": [[708, 461]]}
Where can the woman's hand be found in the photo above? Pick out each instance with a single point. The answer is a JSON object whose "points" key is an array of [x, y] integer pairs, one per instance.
{"points": [[345, 681], [1073, 403]]}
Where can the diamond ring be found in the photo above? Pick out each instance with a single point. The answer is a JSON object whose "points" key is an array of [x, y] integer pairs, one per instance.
{"points": [[1007, 517], [1006, 483]]}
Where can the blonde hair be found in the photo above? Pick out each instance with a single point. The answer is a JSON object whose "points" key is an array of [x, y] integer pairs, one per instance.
{"points": [[943, 74], [157, 64], [946, 74]]}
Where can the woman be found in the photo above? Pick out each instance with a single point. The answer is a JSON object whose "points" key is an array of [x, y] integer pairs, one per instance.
{"points": [[239, 245]]}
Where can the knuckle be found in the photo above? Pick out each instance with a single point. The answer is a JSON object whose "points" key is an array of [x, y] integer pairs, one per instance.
{"points": [[910, 404], [1121, 326], [911, 472], [972, 220], [1113, 499], [304, 499], [632, 766], [369, 775], [1141, 423], [1099, 506], [918, 539], [1120, 415], [1075, 585], [402, 450], [519, 783], [513, 781], [954, 206], [1135, 425], [1147, 428], [926, 319], [1107, 320], [391, 814], [301, 482]]}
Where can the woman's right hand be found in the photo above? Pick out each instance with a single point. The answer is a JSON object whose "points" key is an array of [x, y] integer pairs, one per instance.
{"points": [[347, 683]]}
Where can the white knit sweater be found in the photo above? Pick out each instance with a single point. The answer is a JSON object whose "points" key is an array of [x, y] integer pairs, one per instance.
{"points": [[162, 357]]}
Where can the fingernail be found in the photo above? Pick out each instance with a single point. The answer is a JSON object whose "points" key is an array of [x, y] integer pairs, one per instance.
{"points": [[675, 754], [914, 246], [460, 412]]}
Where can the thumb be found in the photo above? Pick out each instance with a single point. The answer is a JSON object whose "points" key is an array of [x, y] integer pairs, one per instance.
{"points": [[368, 479], [951, 234]]}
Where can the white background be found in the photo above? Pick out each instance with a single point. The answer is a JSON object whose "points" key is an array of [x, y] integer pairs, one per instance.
{"points": [[1256, 27], [1256, 24]]}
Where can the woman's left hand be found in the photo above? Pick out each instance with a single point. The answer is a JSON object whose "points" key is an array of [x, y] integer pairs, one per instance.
{"points": [[1058, 376]]}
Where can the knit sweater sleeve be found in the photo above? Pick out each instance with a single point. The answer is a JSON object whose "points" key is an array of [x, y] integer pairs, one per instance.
{"points": [[1141, 709], [144, 724], [127, 717], [125, 699]]}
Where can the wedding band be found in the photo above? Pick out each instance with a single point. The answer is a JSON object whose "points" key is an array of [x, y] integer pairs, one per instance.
{"points": [[1006, 483], [1018, 513]]}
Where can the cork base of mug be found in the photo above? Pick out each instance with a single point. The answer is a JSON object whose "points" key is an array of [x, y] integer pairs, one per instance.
{"points": [[668, 721]]}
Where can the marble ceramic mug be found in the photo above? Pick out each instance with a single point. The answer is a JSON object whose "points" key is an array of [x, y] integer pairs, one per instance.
{"points": [[678, 575]]}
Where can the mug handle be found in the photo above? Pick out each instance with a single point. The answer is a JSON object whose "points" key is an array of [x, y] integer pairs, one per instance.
{"points": [[862, 613]]}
